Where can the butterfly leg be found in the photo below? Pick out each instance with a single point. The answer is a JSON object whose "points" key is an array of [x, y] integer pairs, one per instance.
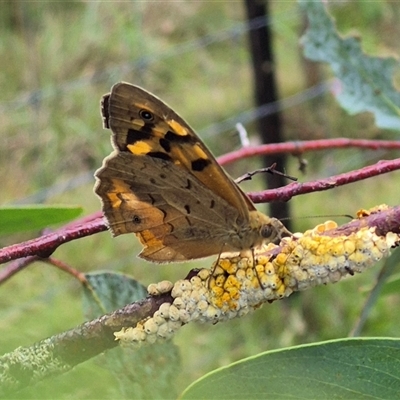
{"points": [[255, 269], [212, 274]]}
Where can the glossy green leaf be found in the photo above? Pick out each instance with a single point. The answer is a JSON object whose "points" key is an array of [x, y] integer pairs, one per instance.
{"points": [[341, 369], [34, 217]]}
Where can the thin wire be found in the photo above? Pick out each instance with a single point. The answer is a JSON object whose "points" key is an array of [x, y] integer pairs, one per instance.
{"points": [[35, 96], [253, 114]]}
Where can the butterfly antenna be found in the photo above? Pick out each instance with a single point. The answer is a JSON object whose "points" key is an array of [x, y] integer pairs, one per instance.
{"points": [[319, 216]]}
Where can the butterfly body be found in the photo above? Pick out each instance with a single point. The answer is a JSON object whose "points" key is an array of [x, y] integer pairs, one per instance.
{"points": [[163, 184]]}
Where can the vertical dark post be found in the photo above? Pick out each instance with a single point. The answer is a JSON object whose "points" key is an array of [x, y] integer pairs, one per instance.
{"points": [[270, 126]]}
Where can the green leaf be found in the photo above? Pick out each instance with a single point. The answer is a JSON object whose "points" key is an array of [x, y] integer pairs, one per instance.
{"points": [[345, 369], [366, 83], [34, 217], [108, 291]]}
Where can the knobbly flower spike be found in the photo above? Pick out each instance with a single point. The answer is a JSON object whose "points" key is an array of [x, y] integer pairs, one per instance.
{"points": [[236, 285]]}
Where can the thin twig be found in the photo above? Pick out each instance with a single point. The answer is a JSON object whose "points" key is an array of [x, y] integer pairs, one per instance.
{"points": [[271, 170], [66, 268]]}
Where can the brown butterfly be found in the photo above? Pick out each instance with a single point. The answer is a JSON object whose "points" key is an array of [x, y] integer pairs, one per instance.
{"points": [[162, 183]]}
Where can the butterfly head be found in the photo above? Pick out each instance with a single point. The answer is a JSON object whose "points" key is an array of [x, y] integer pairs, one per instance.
{"points": [[269, 230]]}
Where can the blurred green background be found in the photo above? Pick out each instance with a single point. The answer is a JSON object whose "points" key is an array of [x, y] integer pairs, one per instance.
{"points": [[58, 59]]}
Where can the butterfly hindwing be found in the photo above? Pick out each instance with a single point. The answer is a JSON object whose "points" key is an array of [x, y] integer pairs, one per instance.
{"points": [[164, 212]]}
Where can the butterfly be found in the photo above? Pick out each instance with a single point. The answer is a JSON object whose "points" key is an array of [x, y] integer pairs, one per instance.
{"points": [[163, 184]]}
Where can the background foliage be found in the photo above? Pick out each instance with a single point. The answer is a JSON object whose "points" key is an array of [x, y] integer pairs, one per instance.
{"points": [[58, 59]]}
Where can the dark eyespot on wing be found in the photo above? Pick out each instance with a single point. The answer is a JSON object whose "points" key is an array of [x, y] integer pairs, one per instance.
{"points": [[200, 164], [159, 154], [173, 137], [212, 204], [146, 115], [189, 185], [187, 208]]}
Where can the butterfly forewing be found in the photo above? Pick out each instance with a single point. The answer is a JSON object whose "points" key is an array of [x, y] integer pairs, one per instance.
{"points": [[169, 137]]}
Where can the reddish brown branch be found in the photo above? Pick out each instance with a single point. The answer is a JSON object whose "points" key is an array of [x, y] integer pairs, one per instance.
{"points": [[18, 265], [297, 188], [15, 267], [80, 276], [45, 245], [305, 146]]}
